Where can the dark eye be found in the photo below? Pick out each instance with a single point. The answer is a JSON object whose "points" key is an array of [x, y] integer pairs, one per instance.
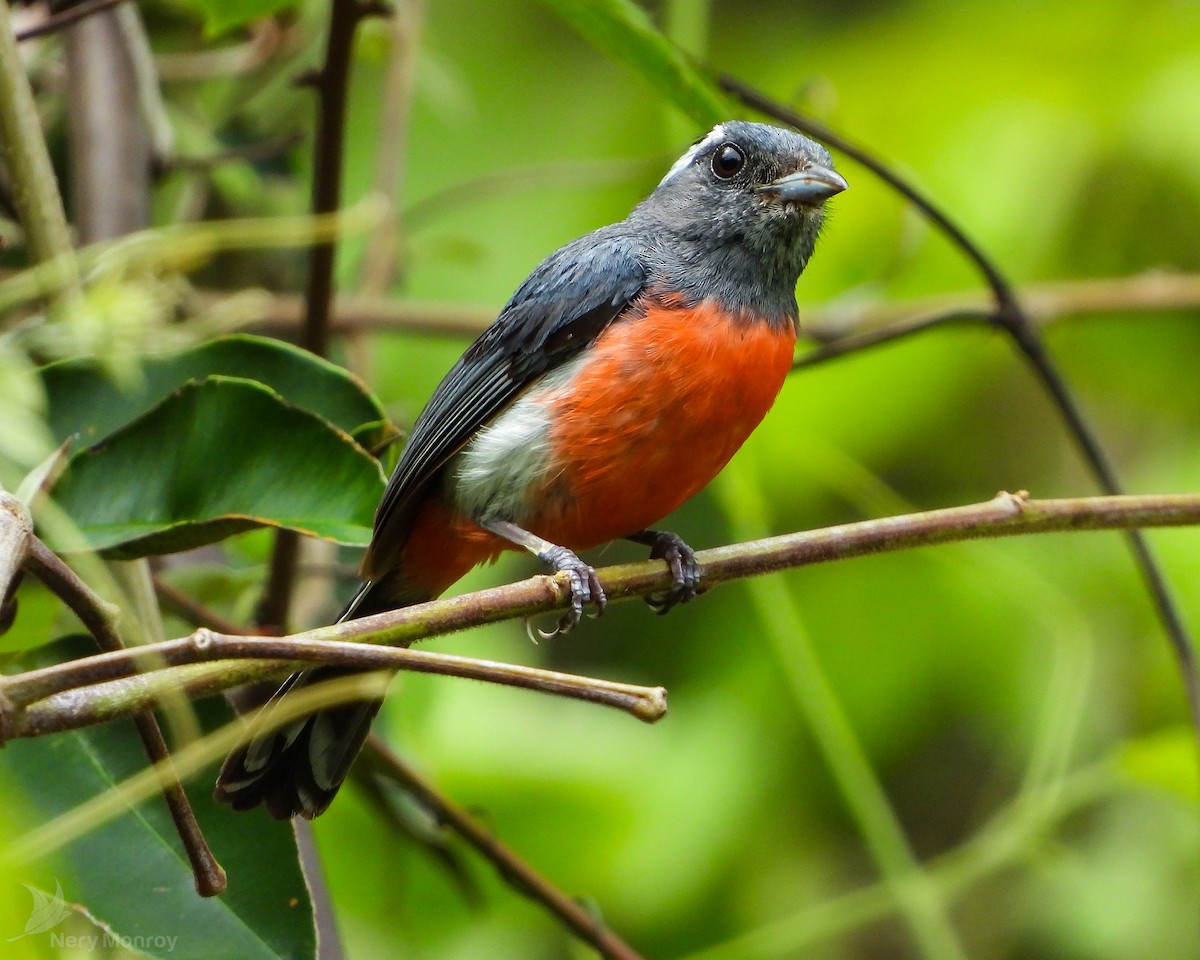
{"points": [[728, 161]]}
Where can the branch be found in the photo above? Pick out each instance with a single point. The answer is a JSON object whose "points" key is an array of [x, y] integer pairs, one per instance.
{"points": [[247, 153], [103, 687], [858, 342], [1003, 516], [835, 324], [24, 154], [64, 18], [381, 257], [190, 610], [383, 764], [331, 83], [1043, 302], [106, 686], [99, 618]]}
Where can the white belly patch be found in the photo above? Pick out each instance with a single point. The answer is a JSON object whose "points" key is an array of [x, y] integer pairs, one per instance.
{"points": [[495, 472]]}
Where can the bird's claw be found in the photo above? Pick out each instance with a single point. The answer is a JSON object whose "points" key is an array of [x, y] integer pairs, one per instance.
{"points": [[583, 587], [685, 571]]}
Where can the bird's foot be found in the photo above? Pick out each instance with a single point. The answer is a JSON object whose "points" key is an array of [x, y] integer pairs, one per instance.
{"points": [[583, 585], [681, 559]]}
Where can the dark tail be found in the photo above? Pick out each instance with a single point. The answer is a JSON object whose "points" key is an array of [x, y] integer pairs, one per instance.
{"points": [[297, 769]]}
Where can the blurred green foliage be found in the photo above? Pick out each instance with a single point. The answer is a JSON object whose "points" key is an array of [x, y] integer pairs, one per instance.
{"points": [[1016, 700]]}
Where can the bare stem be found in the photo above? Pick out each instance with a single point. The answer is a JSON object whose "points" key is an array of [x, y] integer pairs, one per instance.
{"points": [[64, 18], [837, 325], [99, 618], [380, 762], [23, 151], [331, 83], [192, 611], [110, 685], [69, 700]]}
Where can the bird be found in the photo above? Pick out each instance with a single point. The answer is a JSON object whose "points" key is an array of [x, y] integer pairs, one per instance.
{"points": [[618, 380]]}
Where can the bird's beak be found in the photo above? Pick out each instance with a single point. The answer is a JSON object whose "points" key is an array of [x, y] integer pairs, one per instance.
{"points": [[811, 186]]}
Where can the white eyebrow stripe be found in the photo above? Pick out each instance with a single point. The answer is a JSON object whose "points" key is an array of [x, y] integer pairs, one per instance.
{"points": [[717, 133]]}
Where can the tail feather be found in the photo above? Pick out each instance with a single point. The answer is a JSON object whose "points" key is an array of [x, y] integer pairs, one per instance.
{"points": [[297, 769]]}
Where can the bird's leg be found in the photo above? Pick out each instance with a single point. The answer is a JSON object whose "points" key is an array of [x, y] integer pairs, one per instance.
{"points": [[585, 587], [685, 570]]}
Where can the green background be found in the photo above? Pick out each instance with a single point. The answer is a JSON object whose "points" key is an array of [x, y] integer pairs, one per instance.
{"points": [[1062, 137], [1015, 700]]}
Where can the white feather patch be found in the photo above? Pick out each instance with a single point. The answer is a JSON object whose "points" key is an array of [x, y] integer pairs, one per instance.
{"points": [[715, 135], [495, 471]]}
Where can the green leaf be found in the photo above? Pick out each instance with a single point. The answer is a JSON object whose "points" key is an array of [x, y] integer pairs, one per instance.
{"points": [[85, 400], [131, 874], [216, 457], [221, 16], [623, 31]]}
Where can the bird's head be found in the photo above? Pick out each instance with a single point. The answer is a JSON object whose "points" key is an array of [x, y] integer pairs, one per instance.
{"points": [[746, 196]]}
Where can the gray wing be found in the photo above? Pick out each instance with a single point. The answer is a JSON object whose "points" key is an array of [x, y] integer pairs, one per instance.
{"points": [[563, 306]]}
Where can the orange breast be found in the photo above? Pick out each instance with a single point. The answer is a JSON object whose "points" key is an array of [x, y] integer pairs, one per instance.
{"points": [[658, 408]]}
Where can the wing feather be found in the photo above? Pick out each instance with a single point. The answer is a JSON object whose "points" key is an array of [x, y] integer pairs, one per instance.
{"points": [[563, 306]]}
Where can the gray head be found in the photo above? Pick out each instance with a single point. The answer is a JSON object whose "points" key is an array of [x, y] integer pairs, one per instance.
{"points": [[739, 213]]}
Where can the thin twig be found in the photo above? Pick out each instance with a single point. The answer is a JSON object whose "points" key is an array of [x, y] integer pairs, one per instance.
{"points": [[331, 83], [267, 37], [64, 18], [249, 153], [856, 343], [380, 260], [105, 686], [99, 619], [191, 610], [832, 325], [25, 156], [1005, 515], [381, 762], [1043, 302], [1012, 318]]}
